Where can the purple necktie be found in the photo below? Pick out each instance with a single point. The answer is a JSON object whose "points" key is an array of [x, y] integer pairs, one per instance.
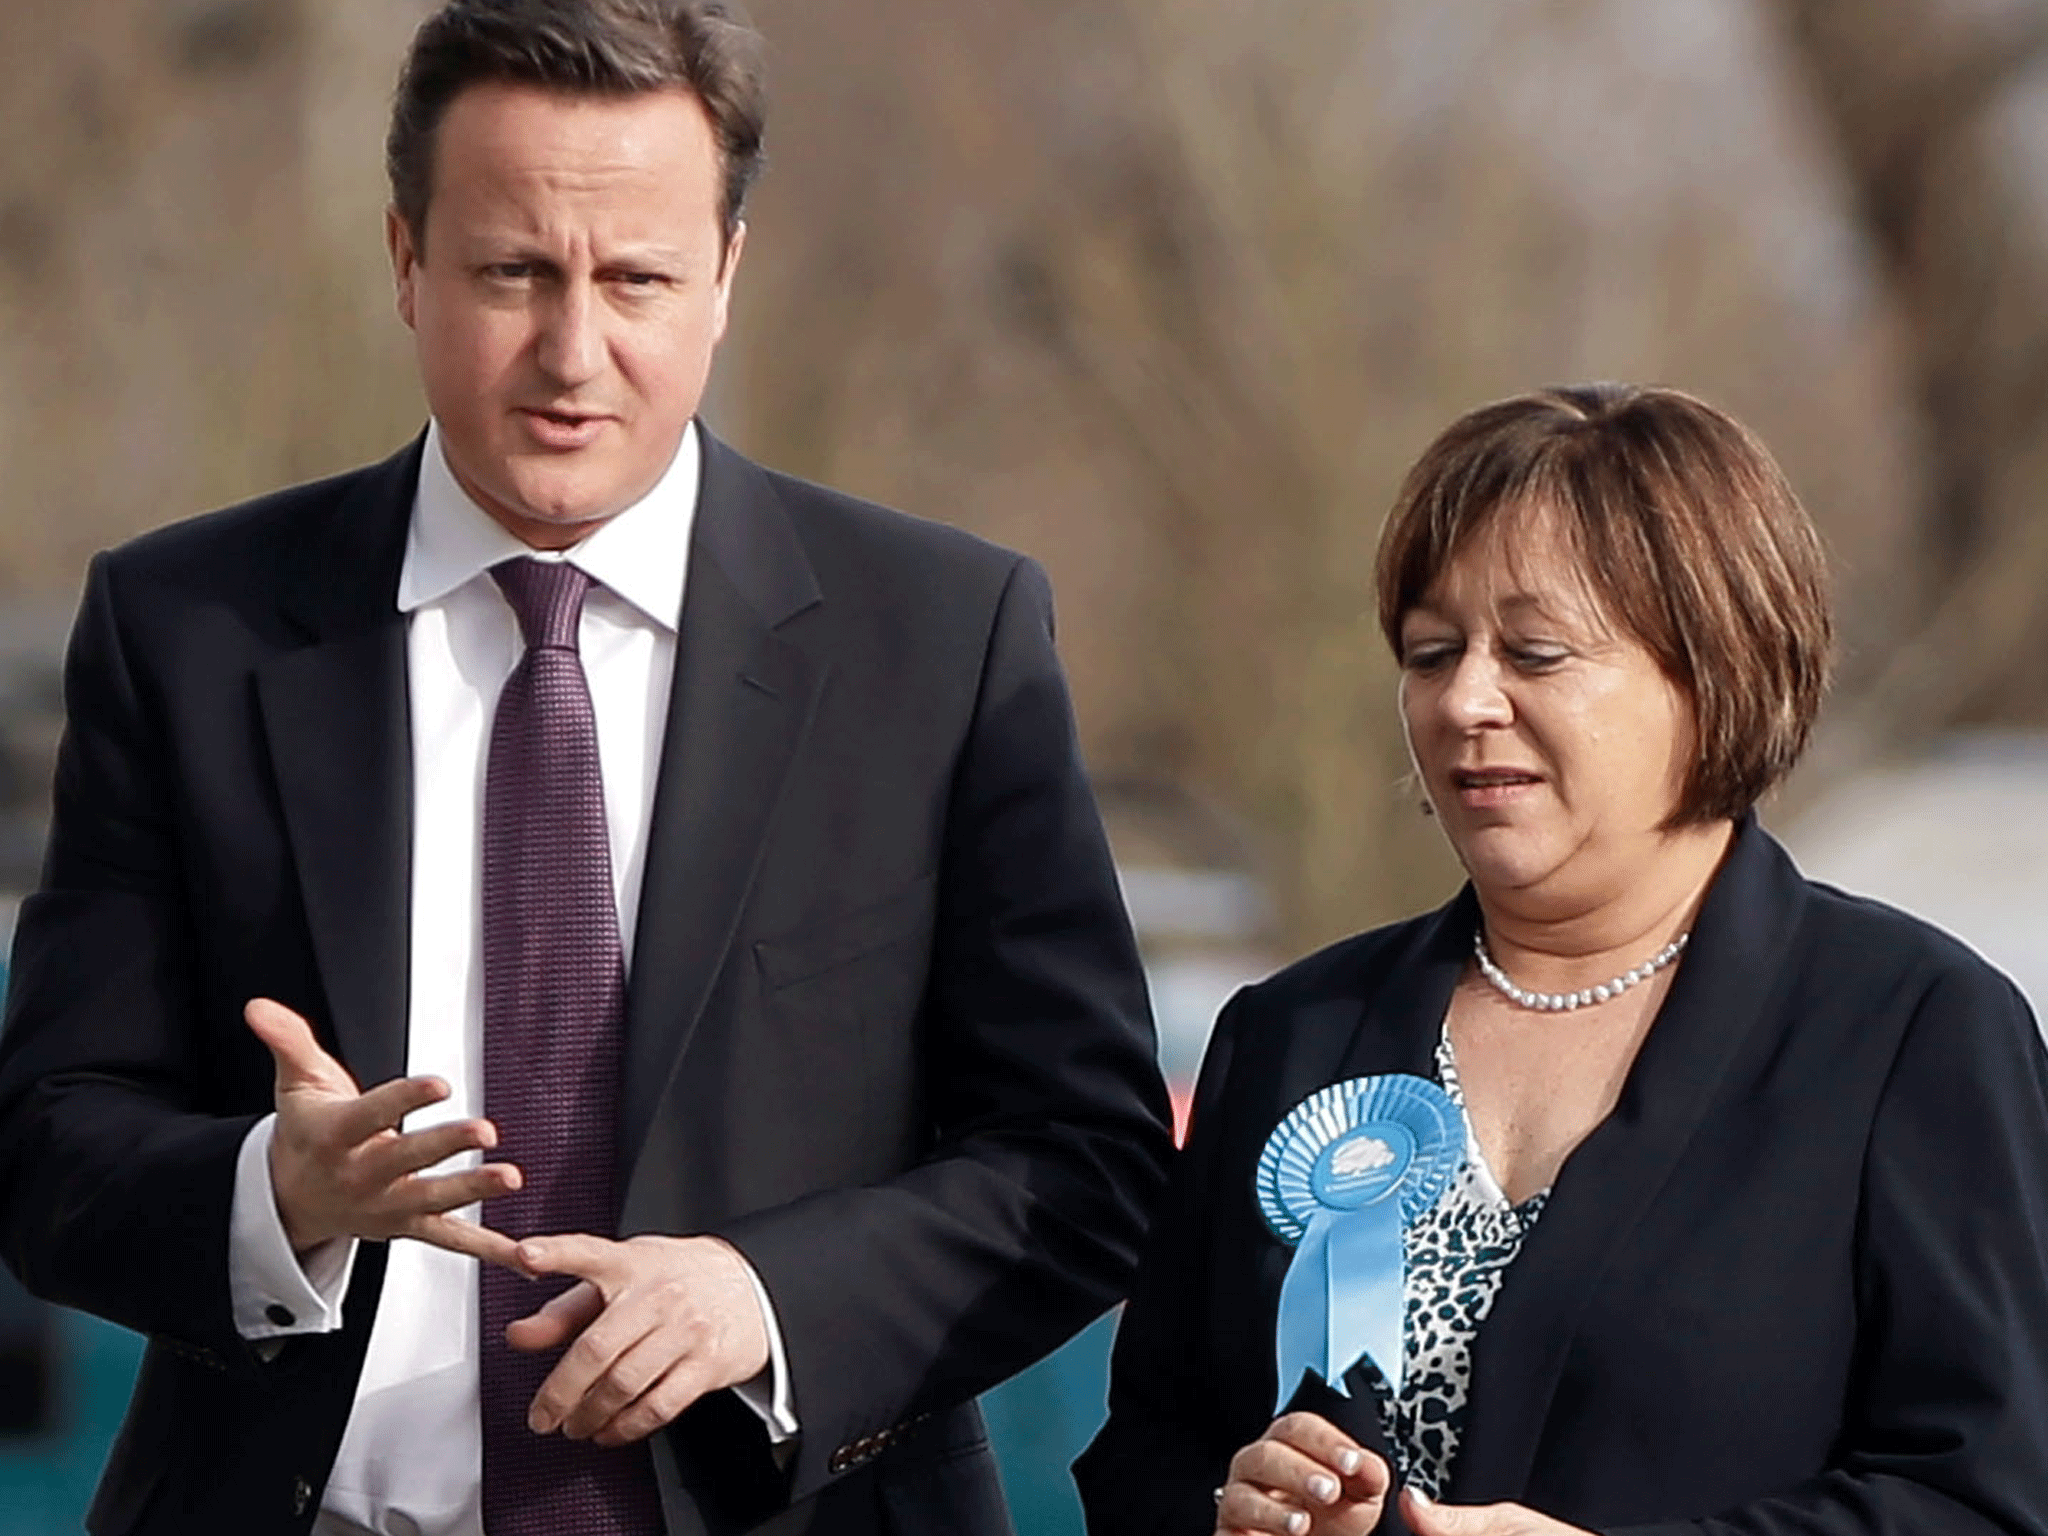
{"points": [[554, 992]]}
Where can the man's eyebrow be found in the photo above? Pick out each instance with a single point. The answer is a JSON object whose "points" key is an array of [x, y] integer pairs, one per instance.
{"points": [[486, 246], [489, 248], [645, 256]]}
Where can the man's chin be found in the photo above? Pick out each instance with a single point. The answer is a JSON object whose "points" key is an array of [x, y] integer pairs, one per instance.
{"points": [[553, 522]]}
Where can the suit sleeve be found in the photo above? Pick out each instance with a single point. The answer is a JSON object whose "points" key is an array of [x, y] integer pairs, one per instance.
{"points": [[115, 1181], [1151, 1469], [1050, 1135], [1944, 1415]]}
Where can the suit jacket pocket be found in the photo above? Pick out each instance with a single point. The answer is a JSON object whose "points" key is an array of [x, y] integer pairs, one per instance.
{"points": [[823, 946]]}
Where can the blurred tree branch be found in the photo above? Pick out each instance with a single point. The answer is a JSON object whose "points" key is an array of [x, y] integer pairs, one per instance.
{"points": [[1940, 108], [1171, 294]]}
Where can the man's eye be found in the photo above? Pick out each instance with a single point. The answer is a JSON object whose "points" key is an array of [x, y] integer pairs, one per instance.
{"points": [[509, 271], [642, 281]]}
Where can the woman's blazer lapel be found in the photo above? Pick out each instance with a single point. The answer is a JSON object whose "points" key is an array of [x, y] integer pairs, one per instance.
{"points": [[1733, 967]]}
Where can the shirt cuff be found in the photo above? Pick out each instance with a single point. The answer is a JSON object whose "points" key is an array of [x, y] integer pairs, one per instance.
{"points": [[770, 1394], [277, 1293]]}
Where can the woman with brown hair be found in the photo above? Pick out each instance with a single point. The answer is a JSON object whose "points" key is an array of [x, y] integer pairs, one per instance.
{"points": [[1646, 1186]]}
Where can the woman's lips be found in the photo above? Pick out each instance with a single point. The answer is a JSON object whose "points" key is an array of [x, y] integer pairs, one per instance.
{"points": [[1480, 788]]}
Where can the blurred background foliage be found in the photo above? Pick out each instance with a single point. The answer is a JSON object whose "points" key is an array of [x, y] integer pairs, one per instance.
{"points": [[1166, 293]]}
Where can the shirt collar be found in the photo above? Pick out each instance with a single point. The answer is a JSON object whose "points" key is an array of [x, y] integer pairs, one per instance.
{"points": [[641, 554]]}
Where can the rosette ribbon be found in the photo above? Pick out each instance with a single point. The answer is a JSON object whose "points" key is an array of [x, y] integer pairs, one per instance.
{"points": [[1339, 1181]]}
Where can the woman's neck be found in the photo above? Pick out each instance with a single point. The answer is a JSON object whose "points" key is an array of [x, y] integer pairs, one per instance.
{"points": [[1558, 939]]}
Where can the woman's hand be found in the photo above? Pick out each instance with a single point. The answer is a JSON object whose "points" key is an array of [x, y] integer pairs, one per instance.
{"points": [[1303, 1477], [1426, 1517]]}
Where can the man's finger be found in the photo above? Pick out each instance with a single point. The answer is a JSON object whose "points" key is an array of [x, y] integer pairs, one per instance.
{"points": [[655, 1408], [466, 1237], [444, 1192], [301, 1063], [637, 1370], [416, 1151], [596, 1259], [591, 1355], [559, 1320], [385, 1107]]}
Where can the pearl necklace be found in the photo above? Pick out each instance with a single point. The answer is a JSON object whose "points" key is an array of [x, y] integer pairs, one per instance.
{"points": [[1556, 1002]]}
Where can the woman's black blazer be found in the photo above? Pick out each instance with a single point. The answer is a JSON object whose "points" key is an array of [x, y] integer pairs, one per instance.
{"points": [[1796, 1282]]}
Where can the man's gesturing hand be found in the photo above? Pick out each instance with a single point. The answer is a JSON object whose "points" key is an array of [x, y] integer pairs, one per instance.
{"points": [[340, 1167], [657, 1322]]}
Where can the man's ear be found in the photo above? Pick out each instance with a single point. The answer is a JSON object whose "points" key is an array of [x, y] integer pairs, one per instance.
{"points": [[733, 248], [405, 262]]}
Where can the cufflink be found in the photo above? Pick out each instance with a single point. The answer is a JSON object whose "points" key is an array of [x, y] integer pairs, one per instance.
{"points": [[280, 1315]]}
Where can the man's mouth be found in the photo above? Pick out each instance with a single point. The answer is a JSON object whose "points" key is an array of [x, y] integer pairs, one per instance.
{"points": [[562, 431]]}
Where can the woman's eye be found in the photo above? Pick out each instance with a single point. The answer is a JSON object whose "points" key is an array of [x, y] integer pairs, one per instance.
{"points": [[1427, 658], [1533, 659]]}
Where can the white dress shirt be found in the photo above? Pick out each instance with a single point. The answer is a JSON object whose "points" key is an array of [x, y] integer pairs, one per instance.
{"points": [[409, 1460]]}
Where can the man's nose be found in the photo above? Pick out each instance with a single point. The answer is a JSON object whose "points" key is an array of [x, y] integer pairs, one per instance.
{"points": [[571, 345]]}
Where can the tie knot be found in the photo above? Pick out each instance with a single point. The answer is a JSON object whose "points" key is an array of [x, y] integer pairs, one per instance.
{"points": [[547, 596]]}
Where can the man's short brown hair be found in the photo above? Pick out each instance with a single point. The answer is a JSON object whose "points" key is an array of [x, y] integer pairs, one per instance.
{"points": [[587, 47], [1682, 525]]}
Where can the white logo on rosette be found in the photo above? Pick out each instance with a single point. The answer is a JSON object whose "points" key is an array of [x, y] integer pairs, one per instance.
{"points": [[1368, 1154]]}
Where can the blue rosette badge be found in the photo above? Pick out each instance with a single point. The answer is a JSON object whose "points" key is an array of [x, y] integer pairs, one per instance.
{"points": [[1339, 1181]]}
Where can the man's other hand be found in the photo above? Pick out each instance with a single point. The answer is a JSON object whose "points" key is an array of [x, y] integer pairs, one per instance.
{"points": [[657, 1322], [341, 1167]]}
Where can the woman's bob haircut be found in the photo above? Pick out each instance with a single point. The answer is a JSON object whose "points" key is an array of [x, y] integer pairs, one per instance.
{"points": [[1684, 528]]}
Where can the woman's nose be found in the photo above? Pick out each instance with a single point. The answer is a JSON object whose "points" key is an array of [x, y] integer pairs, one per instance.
{"points": [[1473, 694]]}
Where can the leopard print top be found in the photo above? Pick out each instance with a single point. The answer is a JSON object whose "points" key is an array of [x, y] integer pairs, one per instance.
{"points": [[1457, 1252]]}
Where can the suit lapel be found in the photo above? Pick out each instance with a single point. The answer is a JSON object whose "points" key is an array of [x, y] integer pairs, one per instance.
{"points": [[335, 717], [1722, 989], [740, 706]]}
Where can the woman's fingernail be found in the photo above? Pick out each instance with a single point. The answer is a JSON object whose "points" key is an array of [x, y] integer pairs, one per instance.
{"points": [[1419, 1496], [1297, 1524], [1322, 1489], [1349, 1462]]}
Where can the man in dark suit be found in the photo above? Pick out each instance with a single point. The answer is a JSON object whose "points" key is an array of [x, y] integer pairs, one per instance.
{"points": [[708, 850]]}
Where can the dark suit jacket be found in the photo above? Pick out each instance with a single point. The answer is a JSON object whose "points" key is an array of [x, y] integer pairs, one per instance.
{"points": [[885, 1031], [1797, 1281]]}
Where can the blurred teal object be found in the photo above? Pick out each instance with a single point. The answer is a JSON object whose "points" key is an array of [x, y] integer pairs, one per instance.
{"points": [[47, 1480], [1038, 1422]]}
